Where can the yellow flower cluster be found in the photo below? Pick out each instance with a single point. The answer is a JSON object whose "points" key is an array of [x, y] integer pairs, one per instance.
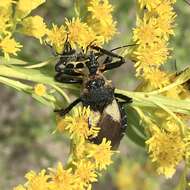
{"points": [[152, 34], [87, 160], [99, 29], [9, 20], [167, 147]]}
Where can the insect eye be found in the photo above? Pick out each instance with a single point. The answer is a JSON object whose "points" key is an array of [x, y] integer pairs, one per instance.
{"points": [[80, 66], [70, 66]]}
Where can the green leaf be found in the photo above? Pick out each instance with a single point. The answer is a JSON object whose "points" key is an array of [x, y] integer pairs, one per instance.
{"points": [[43, 101], [144, 99], [135, 120], [133, 136], [41, 75], [12, 61]]}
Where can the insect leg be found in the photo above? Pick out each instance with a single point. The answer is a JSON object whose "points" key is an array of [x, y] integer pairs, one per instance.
{"points": [[112, 65], [126, 99], [61, 77], [124, 121], [106, 52], [63, 112]]}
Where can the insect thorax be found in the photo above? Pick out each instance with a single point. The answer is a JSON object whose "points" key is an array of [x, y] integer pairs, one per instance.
{"points": [[97, 93]]}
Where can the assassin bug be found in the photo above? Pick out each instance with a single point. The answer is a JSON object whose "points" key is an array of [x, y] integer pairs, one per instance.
{"points": [[97, 92]]}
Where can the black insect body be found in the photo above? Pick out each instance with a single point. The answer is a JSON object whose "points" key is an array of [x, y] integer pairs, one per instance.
{"points": [[98, 93]]}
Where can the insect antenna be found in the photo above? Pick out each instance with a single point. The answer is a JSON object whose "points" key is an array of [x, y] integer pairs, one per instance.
{"points": [[129, 45]]}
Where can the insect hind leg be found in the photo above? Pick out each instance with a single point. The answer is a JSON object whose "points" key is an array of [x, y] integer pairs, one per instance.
{"points": [[124, 121]]}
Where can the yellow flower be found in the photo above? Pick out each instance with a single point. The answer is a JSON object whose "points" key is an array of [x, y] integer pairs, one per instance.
{"points": [[85, 172], [24, 7], [34, 26], [9, 46], [166, 148], [146, 31], [165, 27], [37, 181], [150, 4], [39, 89], [105, 31], [4, 23], [158, 56], [56, 37], [19, 187], [101, 153], [79, 33], [165, 9], [156, 78], [78, 124], [61, 179], [6, 3], [101, 10]]}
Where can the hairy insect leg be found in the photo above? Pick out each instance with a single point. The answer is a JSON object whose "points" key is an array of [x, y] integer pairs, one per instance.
{"points": [[63, 112], [61, 77]]}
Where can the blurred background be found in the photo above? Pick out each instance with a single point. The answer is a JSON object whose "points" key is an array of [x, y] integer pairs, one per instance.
{"points": [[26, 139]]}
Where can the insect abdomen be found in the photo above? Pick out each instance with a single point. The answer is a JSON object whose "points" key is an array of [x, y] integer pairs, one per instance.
{"points": [[110, 125]]}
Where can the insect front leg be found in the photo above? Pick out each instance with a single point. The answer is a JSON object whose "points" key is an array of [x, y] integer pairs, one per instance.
{"points": [[125, 99], [61, 77], [64, 111]]}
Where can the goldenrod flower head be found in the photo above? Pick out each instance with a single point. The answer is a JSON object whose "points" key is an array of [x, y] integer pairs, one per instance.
{"points": [[156, 78], [166, 148], [4, 23], [40, 89], [61, 178], [37, 181], [34, 26], [159, 54], [102, 21], [165, 27], [56, 37], [9, 46], [78, 124], [24, 7], [80, 149], [19, 187], [105, 31], [146, 31], [150, 4], [79, 33], [165, 9], [101, 153], [6, 3], [101, 10], [86, 173]]}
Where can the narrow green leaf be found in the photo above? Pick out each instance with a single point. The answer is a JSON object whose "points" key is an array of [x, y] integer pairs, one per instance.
{"points": [[12, 61], [143, 99], [35, 75], [135, 120], [44, 101], [133, 136]]}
